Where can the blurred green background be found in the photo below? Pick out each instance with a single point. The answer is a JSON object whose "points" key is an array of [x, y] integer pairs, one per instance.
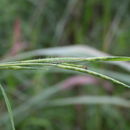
{"points": [[52, 28]]}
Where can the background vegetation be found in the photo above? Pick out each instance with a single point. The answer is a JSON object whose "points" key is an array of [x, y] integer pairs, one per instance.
{"points": [[56, 99]]}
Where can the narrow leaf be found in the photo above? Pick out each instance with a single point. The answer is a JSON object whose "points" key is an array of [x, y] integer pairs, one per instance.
{"points": [[8, 107]]}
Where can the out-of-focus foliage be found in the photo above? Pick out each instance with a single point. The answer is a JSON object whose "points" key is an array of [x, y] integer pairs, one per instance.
{"points": [[42, 27]]}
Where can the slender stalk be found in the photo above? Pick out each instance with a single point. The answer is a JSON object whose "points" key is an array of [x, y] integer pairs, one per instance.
{"points": [[74, 59]]}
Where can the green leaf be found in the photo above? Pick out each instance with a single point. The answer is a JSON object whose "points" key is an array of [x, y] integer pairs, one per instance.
{"points": [[63, 63], [8, 107]]}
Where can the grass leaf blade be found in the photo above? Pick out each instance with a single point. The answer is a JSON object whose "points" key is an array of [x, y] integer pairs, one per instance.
{"points": [[8, 107], [93, 73]]}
